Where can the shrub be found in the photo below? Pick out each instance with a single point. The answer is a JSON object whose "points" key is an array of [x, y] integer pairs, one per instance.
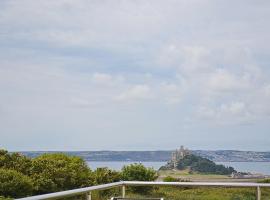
{"points": [[57, 172], [173, 179], [15, 161], [106, 175], [14, 184], [138, 172], [170, 179]]}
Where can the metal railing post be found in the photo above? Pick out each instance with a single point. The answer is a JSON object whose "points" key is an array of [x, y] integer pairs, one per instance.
{"points": [[258, 193], [123, 191], [88, 196]]}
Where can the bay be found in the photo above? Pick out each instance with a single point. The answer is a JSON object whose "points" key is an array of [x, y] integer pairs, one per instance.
{"points": [[254, 167]]}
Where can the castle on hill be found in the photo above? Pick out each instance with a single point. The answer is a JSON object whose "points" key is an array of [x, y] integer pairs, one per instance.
{"points": [[179, 154]]}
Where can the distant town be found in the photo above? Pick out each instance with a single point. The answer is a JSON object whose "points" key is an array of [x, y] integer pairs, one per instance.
{"points": [[163, 156]]}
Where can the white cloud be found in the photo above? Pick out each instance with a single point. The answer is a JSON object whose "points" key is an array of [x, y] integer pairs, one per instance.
{"points": [[101, 78], [187, 59], [135, 93], [224, 81], [173, 93], [230, 113]]}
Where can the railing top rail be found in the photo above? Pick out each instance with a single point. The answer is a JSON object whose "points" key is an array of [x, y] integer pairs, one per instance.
{"points": [[140, 183]]}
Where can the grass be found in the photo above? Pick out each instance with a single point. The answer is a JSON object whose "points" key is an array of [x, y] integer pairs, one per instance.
{"points": [[186, 175], [194, 176], [203, 193]]}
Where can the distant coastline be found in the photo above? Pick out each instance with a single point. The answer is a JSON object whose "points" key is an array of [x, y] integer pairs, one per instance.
{"points": [[161, 156]]}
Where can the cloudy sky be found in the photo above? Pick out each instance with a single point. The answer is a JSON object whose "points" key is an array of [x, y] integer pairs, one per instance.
{"points": [[134, 74]]}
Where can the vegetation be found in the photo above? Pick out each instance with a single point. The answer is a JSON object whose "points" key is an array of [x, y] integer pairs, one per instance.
{"points": [[264, 181], [204, 193], [106, 175], [138, 172], [173, 179], [21, 176], [15, 161], [14, 184], [57, 172], [199, 164]]}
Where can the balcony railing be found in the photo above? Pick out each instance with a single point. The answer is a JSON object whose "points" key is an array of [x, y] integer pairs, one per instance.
{"points": [[87, 191]]}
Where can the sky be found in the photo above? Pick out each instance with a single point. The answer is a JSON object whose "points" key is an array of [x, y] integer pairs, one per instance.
{"points": [[134, 74]]}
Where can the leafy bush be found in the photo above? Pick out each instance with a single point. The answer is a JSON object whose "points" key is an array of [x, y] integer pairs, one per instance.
{"points": [[15, 161], [173, 179], [106, 175], [14, 184], [138, 172], [57, 172], [44, 174]]}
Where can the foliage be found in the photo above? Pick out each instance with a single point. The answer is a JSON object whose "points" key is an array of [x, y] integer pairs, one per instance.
{"points": [[106, 175], [57, 172], [4, 198], [14, 184], [138, 172], [264, 181], [202, 165], [173, 179], [15, 161], [170, 179]]}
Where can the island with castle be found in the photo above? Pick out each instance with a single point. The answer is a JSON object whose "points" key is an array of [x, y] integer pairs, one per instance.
{"points": [[183, 159]]}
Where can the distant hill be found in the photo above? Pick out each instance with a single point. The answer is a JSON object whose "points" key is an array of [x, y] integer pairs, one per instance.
{"points": [[163, 156], [199, 164]]}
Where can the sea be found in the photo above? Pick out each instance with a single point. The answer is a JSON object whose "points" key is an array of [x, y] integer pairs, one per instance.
{"points": [[253, 167]]}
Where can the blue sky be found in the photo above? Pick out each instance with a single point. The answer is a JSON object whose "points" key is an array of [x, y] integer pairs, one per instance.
{"points": [[134, 75]]}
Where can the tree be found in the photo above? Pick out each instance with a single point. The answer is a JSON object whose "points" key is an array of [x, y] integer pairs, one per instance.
{"points": [[138, 172], [57, 172], [14, 184]]}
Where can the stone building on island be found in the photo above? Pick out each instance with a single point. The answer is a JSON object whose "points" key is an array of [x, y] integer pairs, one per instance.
{"points": [[179, 154]]}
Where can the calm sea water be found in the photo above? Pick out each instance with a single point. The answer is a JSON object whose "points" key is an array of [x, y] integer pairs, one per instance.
{"points": [[254, 167]]}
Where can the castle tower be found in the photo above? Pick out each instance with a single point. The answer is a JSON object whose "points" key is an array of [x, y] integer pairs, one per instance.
{"points": [[179, 154]]}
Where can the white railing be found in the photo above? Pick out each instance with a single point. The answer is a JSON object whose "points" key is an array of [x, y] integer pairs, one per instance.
{"points": [[87, 191]]}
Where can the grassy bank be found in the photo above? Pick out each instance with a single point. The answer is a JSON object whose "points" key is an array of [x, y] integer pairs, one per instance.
{"points": [[186, 175]]}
